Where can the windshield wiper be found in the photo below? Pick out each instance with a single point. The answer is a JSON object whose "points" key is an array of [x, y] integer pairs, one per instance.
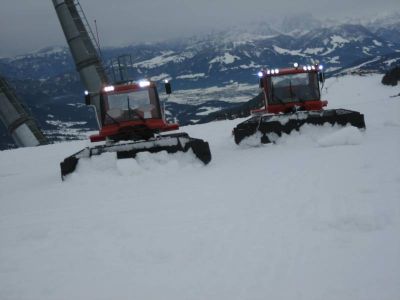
{"points": [[276, 97], [293, 94], [135, 112], [112, 119]]}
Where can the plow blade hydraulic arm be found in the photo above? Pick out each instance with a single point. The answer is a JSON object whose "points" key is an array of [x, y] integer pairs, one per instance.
{"points": [[285, 123], [170, 143]]}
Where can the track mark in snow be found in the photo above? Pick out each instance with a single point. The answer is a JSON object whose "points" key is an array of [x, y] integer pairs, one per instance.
{"points": [[358, 223], [391, 123], [9, 174]]}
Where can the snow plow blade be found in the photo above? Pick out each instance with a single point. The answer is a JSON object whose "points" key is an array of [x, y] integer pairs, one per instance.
{"points": [[170, 143], [285, 123]]}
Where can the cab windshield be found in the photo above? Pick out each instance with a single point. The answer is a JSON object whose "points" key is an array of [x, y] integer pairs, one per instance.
{"points": [[293, 88], [131, 105]]}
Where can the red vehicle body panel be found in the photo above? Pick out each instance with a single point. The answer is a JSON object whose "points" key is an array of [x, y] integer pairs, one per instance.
{"points": [[158, 125], [283, 108]]}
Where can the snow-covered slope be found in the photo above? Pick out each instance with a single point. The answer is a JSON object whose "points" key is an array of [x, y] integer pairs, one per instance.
{"points": [[315, 216]]}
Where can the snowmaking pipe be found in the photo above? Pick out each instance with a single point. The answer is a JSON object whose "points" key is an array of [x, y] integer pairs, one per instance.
{"points": [[82, 45], [18, 121], [81, 42]]}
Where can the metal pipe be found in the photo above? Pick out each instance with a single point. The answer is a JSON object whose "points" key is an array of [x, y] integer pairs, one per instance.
{"points": [[21, 126], [82, 45]]}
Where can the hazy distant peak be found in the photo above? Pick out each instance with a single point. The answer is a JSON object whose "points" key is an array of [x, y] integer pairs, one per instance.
{"points": [[299, 22]]}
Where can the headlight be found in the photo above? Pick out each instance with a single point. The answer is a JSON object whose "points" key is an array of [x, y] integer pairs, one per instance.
{"points": [[109, 88], [144, 83]]}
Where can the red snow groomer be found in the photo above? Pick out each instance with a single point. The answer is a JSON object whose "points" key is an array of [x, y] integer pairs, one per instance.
{"points": [[292, 98], [131, 120], [129, 113]]}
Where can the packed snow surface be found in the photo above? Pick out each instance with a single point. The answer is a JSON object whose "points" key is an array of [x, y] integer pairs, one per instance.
{"points": [[314, 216]]}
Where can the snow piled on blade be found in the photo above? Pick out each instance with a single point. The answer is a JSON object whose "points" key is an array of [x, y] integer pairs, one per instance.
{"points": [[314, 216], [107, 165], [346, 136], [324, 136], [252, 141]]}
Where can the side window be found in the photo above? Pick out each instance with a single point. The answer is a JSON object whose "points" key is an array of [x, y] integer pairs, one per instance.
{"points": [[271, 92], [314, 86], [155, 102]]}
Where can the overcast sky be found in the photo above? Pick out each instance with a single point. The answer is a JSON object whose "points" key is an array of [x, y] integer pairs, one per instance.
{"points": [[29, 25]]}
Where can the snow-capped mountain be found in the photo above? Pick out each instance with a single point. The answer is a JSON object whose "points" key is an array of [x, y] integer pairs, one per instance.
{"points": [[209, 72]]}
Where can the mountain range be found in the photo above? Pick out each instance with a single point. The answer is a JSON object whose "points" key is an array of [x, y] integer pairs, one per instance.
{"points": [[209, 73]]}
